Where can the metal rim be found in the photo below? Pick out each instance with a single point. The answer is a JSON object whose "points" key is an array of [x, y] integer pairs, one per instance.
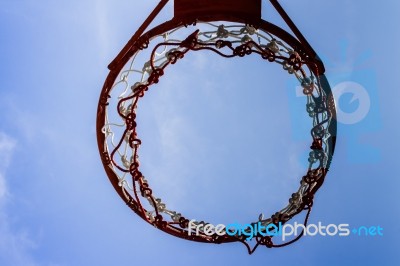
{"points": [[169, 25]]}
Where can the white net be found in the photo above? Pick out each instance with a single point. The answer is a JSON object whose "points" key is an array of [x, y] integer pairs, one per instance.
{"points": [[146, 68]]}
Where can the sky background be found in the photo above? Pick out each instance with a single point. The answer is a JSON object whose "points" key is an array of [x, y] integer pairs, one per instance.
{"points": [[212, 150]]}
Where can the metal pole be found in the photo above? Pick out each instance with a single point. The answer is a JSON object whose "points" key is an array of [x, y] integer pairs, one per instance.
{"points": [[137, 34], [293, 27]]}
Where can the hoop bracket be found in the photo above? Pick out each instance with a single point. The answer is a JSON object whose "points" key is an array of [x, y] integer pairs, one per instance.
{"points": [[191, 10]]}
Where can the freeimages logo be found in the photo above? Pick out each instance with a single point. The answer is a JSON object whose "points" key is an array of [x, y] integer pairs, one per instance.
{"points": [[282, 230], [354, 87]]}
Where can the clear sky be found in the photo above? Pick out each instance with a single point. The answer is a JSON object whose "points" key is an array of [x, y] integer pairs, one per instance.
{"points": [[212, 150]]}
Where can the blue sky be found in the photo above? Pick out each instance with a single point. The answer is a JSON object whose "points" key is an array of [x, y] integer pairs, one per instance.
{"points": [[57, 206]]}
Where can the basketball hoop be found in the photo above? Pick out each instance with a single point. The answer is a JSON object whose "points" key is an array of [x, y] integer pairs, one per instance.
{"points": [[229, 29]]}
